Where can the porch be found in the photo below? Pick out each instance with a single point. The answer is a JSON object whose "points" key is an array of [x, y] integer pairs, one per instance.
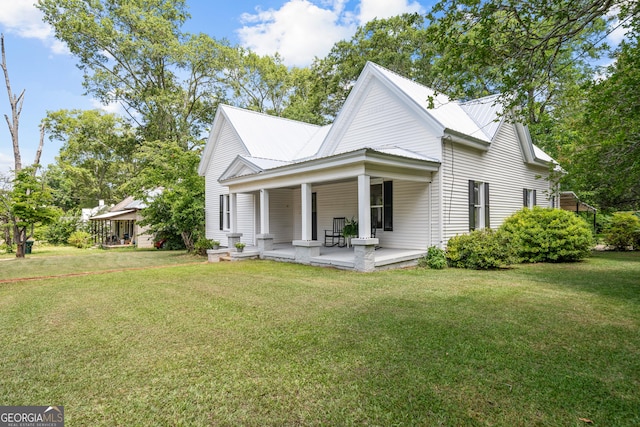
{"points": [[338, 257]]}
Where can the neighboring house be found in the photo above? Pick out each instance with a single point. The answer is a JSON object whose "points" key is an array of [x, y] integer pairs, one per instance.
{"points": [[413, 167], [87, 213], [120, 226]]}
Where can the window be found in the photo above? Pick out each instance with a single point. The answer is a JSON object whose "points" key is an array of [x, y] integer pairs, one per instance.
{"points": [[225, 212], [478, 205], [528, 198], [382, 205]]}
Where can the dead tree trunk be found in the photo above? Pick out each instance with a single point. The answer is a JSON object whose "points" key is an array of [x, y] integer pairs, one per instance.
{"points": [[16, 109]]}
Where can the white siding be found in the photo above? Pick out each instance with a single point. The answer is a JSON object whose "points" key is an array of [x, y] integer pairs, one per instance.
{"points": [[411, 223], [281, 213], [226, 149], [335, 200], [502, 167], [383, 120]]}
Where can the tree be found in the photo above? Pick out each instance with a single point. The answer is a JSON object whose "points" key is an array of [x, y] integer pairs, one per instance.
{"points": [[517, 49], [397, 43], [604, 161], [27, 204], [95, 160]]}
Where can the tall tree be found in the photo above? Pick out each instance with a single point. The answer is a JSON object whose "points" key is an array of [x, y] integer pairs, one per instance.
{"points": [[604, 160], [519, 49], [97, 156], [27, 204], [397, 43]]}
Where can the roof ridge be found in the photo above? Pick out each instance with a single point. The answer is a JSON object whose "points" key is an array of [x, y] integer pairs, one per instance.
{"points": [[266, 115]]}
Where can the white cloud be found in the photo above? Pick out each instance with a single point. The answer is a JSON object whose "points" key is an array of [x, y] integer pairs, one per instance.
{"points": [[111, 108], [22, 18], [381, 9], [301, 29]]}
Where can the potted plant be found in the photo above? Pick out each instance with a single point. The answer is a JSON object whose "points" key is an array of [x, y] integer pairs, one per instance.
{"points": [[215, 244], [240, 246], [350, 230]]}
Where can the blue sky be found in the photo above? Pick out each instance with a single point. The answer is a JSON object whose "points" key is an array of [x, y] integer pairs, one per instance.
{"points": [[42, 66]]}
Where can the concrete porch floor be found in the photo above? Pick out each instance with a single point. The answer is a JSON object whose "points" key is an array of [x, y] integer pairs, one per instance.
{"points": [[345, 258]]}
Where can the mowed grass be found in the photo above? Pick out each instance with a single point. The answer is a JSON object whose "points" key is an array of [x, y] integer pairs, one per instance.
{"points": [[264, 343]]}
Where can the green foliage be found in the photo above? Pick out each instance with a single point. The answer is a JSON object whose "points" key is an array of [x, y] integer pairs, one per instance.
{"points": [[483, 249], [59, 231], [549, 235], [623, 231], [202, 245], [435, 259], [350, 228], [80, 239]]}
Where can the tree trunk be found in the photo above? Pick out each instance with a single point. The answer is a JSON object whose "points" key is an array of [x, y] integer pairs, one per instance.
{"points": [[16, 109], [20, 237]]}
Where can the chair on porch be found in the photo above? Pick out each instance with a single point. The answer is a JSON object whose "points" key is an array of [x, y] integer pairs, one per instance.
{"points": [[335, 235]]}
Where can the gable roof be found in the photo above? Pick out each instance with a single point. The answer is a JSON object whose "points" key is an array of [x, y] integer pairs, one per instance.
{"points": [[265, 136], [273, 142]]}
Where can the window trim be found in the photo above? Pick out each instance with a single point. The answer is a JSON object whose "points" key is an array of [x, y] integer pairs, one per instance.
{"points": [[480, 204]]}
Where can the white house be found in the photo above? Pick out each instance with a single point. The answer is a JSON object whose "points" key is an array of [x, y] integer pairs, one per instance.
{"points": [[413, 167]]}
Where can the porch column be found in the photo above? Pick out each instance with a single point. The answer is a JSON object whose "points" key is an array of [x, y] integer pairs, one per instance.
{"points": [[364, 206], [264, 240], [233, 210], [306, 248], [306, 211], [234, 236], [364, 246]]}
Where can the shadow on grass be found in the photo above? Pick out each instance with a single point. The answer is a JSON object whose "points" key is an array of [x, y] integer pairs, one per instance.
{"points": [[609, 274]]}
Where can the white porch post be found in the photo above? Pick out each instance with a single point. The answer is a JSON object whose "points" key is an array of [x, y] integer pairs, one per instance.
{"points": [[364, 246], [364, 206], [234, 236], [264, 239], [233, 210], [306, 249], [264, 211], [306, 211]]}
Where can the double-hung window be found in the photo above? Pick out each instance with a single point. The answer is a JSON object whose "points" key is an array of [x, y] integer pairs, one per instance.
{"points": [[382, 205], [478, 205], [528, 198], [225, 212]]}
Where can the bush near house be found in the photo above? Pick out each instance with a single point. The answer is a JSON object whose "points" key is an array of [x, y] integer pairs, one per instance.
{"points": [[548, 235], [623, 231], [480, 250], [79, 239], [435, 259]]}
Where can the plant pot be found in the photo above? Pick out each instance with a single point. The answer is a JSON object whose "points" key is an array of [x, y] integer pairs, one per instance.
{"points": [[239, 249]]}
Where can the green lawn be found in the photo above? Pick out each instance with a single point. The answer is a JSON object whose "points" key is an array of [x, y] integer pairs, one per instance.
{"points": [[263, 343]]}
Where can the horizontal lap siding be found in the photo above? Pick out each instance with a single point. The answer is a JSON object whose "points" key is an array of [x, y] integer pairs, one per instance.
{"points": [[227, 148], [383, 120], [502, 167], [281, 214], [411, 222], [335, 200]]}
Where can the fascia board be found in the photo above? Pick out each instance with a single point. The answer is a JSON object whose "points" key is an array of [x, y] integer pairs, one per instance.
{"points": [[345, 165], [469, 141]]}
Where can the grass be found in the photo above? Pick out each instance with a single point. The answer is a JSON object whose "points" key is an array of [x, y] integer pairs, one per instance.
{"points": [[263, 343]]}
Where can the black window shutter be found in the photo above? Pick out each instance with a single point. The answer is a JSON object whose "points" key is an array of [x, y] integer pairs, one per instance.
{"points": [[525, 199], [535, 198], [222, 212], [472, 203], [487, 223], [388, 205]]}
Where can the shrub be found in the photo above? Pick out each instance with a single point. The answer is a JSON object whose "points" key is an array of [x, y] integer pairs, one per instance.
{"points": [[549, 235], [480, 250], [623, 230], [58, 232], [435, 259], [79, 239], [202, 245]]}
